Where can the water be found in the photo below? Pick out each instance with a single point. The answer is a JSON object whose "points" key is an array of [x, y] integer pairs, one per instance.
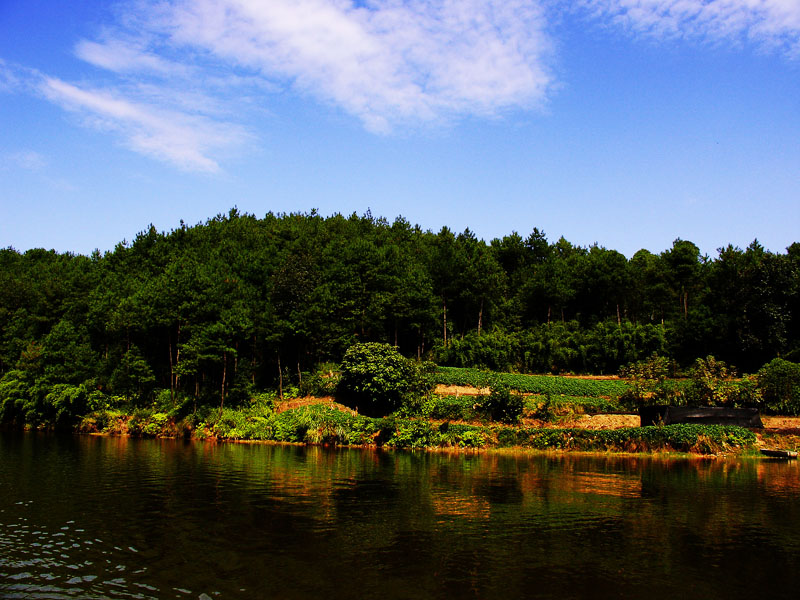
{"points": [[92, 517]]}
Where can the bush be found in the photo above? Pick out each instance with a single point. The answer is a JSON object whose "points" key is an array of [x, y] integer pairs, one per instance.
{"points": [[377, 380], [712, 383], [779, 382], [445, 408], [318, 385], [648, 382], [501, 405]]}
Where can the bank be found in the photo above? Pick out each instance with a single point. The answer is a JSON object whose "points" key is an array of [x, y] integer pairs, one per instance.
{"points": [[327, 423]]}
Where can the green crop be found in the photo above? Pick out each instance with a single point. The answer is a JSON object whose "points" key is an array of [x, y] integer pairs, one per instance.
{"points": [[533, 384]]}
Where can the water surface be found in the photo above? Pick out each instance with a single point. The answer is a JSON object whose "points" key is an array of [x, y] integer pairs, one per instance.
{"points": [[96, 517]]}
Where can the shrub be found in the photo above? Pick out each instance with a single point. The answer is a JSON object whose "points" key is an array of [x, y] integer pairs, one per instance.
{"points": [[501, 405], [648, 382], [448, 408], [318, 385], [712, 383], [779, 382], [377, 380]]}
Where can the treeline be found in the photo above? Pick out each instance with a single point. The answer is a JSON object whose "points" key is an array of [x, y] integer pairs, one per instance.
{"points": [[215, 311]]}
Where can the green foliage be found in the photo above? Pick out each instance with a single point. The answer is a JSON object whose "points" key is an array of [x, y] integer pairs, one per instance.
{"points": [[15, 396], [133, 376], [222, 310], [712, 383], [500, 404], [555, 348], [779, 382], [444, 408], [236, 424], [377, 380], [649, 383], [532, 384], [703, 439], [318, 385], [67, 401], [554, 408]]}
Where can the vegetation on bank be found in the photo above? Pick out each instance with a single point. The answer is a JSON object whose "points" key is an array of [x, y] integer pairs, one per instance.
{"points": [[399, 411], [323, 424], [397, 408]]}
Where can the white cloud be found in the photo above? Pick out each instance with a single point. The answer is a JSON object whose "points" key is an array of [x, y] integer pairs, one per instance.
{"points": [[385, 62], [185, 140], [126, 56], [180, 76], [768, 23]]}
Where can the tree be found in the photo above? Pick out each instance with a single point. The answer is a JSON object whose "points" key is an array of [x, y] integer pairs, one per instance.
{"points": [[684, 272], [377, 380], [132, 376]]}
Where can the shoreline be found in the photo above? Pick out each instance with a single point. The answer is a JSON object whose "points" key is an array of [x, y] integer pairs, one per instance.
{"points": [[320, 421], [501, 450]]}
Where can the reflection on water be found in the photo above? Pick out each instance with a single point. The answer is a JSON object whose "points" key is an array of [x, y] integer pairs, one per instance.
{"points": [[92, 517]]}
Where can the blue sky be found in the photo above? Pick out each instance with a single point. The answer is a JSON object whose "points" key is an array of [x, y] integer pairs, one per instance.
{"points": [[623, 122]]}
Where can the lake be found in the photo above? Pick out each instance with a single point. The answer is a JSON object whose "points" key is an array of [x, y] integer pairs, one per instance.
{"points": [[98, 517]]}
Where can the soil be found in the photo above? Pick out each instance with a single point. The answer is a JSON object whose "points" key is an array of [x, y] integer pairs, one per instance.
{"points": [[599, 421], [282, 405], [460, 390], [784, 424]]}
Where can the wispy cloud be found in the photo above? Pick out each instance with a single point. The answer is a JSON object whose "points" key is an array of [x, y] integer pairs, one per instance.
{"points": [[177, 79], [185, 140], [773, 24], [127, 56], [385, 62]]}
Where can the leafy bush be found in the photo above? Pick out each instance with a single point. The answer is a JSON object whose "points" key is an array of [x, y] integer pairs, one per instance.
{"points": [[442, 408], [713, 383], [779, 383], [67, 401], [318, 385], [377, 380], [14, 395], [648, 383], [501, 405]]}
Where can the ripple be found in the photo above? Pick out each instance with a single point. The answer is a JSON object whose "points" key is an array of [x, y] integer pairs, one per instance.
{"points": [[40, 562]]}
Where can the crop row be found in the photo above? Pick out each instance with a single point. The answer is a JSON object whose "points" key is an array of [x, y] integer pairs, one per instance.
{"points": [[533, 384]]}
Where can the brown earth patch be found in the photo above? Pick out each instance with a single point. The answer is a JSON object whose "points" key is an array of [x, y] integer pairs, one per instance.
{"points": [[594, 422], [781, 422], [460, 390], [283, 405]]}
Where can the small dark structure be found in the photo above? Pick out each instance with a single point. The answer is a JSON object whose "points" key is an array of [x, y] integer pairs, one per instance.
{"points": [[779, 453], [707, 415]]}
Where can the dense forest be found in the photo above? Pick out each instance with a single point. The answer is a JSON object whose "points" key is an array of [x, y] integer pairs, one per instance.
{"points": [[216, 311]]}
